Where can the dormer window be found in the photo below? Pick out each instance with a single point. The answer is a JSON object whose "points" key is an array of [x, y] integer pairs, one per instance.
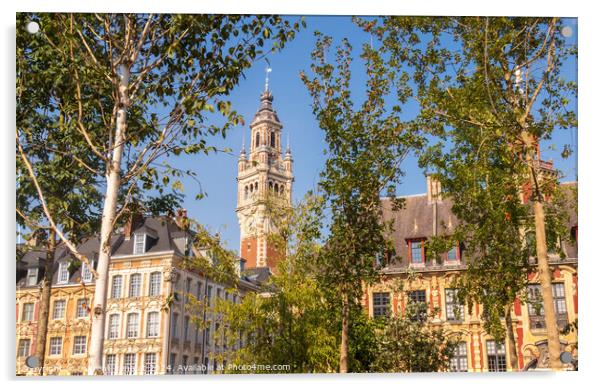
{"points": [[417, 251], [87, 272], [139, 243], [63, 276], [32, 277], [454, 254]]}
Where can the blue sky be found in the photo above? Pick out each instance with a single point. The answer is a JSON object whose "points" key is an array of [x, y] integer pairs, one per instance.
{"points": [[217, 172]]}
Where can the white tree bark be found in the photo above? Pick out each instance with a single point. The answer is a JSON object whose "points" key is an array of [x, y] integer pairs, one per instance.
{"points": [[108, 218]]}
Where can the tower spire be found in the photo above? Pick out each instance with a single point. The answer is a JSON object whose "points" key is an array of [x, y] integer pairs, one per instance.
{"points": [[268, 70]]}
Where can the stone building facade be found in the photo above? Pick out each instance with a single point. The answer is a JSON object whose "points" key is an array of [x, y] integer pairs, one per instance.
{"points": [[149, 327]]}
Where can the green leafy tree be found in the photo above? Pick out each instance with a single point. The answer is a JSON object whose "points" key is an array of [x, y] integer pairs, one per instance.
{"points": [[500, 78], [409, 345], [163, 77], [365, 147], [288, 321]]}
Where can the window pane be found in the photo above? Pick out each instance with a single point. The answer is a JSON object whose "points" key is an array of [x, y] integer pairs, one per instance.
{"points": [[150, 363], [452, 255], [135, 282], [82, 308], [79, 345], [56, 345], [116, 287], [114, 326], [132, 325], [380, 304], [153, 324], [155, 284], [416, 251], [24, 345], [129, 364], [27, 312], [59, 309], [110, 364]]}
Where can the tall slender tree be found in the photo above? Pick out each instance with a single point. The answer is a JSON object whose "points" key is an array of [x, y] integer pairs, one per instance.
{"points": [[164, 75], [365, 147], [513, 68]]}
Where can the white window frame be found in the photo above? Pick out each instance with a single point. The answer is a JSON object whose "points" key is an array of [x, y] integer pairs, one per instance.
{"points": [[451, 301], [137, 237], [80, 309], [24, 347], [56, 346], [152, 325], [150, 363], [119, 289], [33, 272], [110, 364], [154, 288], [129, 364], [134, 289], [63, 307], [79, 344], [132, 329], [27, 315], [86, 272], [63, 273], [113, 332]]}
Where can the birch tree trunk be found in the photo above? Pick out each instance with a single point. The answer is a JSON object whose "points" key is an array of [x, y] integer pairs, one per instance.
{"points": [[543, 268], [512, 352], [106, 229], [44, 307], [344, 336]]}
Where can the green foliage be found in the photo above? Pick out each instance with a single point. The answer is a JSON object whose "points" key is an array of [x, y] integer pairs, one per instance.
{"points": [[288, 321], [488, 90], [409, 345]]}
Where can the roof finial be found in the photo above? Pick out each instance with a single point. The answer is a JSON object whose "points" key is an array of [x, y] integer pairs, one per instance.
{"points": [[288, 142], [243, 150], [267, 77]]}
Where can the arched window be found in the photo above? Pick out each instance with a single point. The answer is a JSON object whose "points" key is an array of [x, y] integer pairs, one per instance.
{"points": [[246, 192], [276, 188], [271, 186], [257, 139], [255, 185], [281, 189], [251, 188], [272, 139]]}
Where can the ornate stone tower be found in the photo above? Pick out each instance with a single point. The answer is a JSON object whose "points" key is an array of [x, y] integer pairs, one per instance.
{"points": [[263, 174]]}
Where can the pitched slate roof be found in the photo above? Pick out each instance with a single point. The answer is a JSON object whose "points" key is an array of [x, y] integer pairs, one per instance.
{"points": [[421, 219]]}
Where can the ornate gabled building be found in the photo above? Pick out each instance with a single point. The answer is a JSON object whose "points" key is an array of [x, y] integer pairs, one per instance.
{"points": [[431, 281], [263, 174], [149, 327]]}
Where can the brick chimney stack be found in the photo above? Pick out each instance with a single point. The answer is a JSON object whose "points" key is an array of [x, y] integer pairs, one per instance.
{"points": [[433, 189], [133, 221]]}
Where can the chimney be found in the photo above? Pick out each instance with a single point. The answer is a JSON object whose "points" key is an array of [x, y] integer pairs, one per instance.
{"points": [[133, 221], [182, 219], [433, 189], [241, 267]]}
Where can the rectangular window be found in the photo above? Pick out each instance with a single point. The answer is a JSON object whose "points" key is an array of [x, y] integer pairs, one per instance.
{"points": [[208, 334], [186, 328], [417, 252], [496, 356], [135, 283], [209, 293], [453, 255], [113, 326], [453, 309], [27, 312], [380, 304], [459, 361], [86, 272], [535, 306], [139, 243], [82, 308], [32, 277], [56, 346], [116, 287], [199, 288], [184, 364], [63, 276], [150, 363], [79, 345], [152, 325], [129, 364], [24, 345], [59, 309], [174, 325], [132, 325], [155, 284], [172, 363], [110, 364], [417, 299]]}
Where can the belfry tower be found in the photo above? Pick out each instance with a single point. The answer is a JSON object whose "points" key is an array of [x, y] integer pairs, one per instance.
{"points": [[264, 175]]}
